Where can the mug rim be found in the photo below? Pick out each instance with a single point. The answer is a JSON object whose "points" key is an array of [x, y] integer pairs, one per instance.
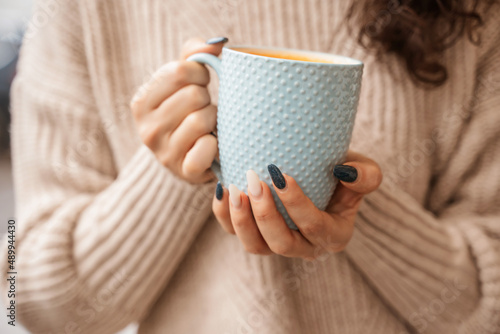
{"points": [[337, 60]]}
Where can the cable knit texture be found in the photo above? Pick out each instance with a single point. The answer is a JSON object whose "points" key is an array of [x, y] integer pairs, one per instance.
{"points": [[108, 236]]}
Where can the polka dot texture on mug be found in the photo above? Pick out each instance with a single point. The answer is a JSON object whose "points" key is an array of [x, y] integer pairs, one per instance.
{"points": [[296, 115]]}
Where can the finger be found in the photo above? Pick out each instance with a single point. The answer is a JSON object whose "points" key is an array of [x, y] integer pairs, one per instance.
{"points": [[220, 207], [314, 224], [156, 129], [176, 108], [244, 223], [344, 202], [368, 175], [197, 45], [280, 238], [170, 78], [358, 176], [195, 125], [196, 164], [165, 81]]}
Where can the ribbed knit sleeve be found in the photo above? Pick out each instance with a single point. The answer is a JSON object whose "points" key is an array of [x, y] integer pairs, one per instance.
{"points": [[441, 271], [95, 246]]}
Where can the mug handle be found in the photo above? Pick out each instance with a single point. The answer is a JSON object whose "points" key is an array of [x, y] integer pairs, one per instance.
{"points": [[216, 64]]}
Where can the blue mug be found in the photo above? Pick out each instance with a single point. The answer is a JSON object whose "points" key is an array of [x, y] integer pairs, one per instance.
{"points": [[287, 107]]}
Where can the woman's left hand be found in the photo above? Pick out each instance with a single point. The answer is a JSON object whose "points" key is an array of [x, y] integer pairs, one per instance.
{"points": [[262, 229]]}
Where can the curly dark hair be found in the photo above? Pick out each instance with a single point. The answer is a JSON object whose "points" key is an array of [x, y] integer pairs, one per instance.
{"points": [[417, 31]]}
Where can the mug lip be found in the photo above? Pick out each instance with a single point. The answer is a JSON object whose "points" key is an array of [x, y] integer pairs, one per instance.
{"points": [[337, 60]]}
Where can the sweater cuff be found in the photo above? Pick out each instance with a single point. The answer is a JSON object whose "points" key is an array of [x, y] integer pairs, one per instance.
{"points": [[423, 265], [140, 227]]}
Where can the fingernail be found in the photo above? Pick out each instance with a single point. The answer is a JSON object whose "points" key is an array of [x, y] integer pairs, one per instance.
{"points": [[276, 176], [345, 173], [254, 186], [234, 195], [216, 40], [219, 191]]}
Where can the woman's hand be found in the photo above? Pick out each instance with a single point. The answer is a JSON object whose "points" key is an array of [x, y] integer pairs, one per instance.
{"points": [[262, 229], [174, 115]]}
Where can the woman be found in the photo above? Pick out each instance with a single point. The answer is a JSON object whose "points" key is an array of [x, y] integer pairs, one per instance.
{"points": [[115, 200]]}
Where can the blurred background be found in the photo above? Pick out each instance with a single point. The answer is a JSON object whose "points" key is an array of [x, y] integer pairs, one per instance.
{"points": [[14, 14], [14, 17]]}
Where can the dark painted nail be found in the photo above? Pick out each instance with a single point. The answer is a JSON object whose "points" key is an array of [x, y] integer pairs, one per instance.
{"points": [[219, 192], [345, 173], [217, 40], [276, 176]]}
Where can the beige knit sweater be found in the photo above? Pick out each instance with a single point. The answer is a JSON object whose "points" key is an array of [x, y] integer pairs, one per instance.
{"points": [[107, 236]]}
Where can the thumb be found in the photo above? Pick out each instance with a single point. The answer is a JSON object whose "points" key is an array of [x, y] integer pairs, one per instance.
{"points": [[358, 176], [359, 173], [197, 45]]}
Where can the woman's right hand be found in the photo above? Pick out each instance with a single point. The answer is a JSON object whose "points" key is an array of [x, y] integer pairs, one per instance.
{"points": [[174, 116]]}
